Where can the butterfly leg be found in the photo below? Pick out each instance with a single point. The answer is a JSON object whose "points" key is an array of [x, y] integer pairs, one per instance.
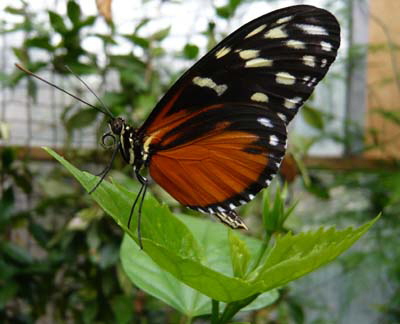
{"points": [[141, 194], [106, 169]]}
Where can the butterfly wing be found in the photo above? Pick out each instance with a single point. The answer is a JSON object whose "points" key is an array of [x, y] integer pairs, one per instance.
{"points": [[220, 158], [275, 60], [219, 135]]}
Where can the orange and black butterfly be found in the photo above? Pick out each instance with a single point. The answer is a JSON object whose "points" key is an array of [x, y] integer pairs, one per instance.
{"points": [[219, 135]]}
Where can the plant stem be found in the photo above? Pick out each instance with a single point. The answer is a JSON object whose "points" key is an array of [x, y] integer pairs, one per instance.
{"points": [[214, 311], [232, 308]]}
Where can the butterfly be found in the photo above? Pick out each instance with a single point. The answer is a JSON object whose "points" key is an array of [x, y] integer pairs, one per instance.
{"points": [[219, 135]]}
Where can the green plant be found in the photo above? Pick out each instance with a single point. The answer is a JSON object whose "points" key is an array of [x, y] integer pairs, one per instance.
{"points": [[172, 244]]}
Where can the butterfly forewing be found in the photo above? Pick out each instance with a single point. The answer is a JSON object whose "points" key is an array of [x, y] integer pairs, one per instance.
{"points": [[219, 134], [275, 60]]}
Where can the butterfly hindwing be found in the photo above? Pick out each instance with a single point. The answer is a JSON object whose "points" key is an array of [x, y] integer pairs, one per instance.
{"points": [[220, 158]]}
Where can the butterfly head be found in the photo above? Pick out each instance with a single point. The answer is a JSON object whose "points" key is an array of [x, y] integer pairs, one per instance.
{"points": [[117, 125], [117, 128]]}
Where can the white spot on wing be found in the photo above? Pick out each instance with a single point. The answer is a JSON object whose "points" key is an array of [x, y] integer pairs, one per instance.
{"points": [[312, 29], [313, 82], [232, 206], [265, 122], [248, 54], [282, 116], [324, 61], [326, 46], [267, 182], [296, 44], [309, 60], [209, 83], [256, 31], [259, 96], [277, 32], [292, 103], [222, 52], [273, 140], [284, 20], [285, 78], [251, 197], [258, 62], [221, 209]]}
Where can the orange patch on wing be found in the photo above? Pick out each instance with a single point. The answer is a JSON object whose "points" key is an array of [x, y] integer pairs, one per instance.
{"points": [[163, 124], [209, 170]]}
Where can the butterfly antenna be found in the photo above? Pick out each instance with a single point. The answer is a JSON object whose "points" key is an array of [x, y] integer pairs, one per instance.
{"points": [[91, 91], [61, 89]]}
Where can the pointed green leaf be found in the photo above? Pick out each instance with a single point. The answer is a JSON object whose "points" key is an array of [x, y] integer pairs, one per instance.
{"points": [[148, 276], [57, 22], [161, 34], [73, 12], [313, 117], [293, 256], [240, 255]]}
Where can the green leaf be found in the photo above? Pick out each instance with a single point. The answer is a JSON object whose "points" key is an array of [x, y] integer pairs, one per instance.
{"points": [[275, 216], [229, 10], [15, 11], [196, 251], [148, 276], [122, 307], [81, 68], [141, 24], [107, 39], [161, 34], [21, 54], [57, 22], [82, 118], [140, 41], [73, 12], [8, 291], [190, 51], [293, 256], [88, 21], [89, 312], [40, 42], [240, 255], [16, 253], [313, 117]]}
